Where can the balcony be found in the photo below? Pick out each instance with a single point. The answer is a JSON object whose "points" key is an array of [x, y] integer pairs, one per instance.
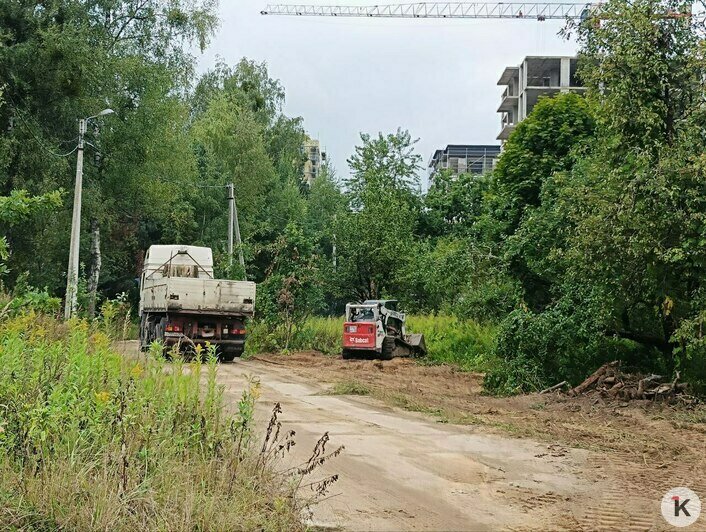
{"points": [[508, 75], [508, 102], [507, 126], [505, 132]]}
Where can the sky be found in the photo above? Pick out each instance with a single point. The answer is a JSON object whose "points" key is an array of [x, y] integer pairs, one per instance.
{"points": [[344, 76]]}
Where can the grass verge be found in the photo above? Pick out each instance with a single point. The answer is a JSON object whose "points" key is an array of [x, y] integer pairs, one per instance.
{"points": [[91, 440]]}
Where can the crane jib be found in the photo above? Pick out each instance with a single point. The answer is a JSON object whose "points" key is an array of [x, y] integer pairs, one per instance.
{"points": [[516, 10], [474, 10]]}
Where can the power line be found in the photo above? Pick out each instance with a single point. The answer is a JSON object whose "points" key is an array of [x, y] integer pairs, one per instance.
{"points": [[41, 143]]}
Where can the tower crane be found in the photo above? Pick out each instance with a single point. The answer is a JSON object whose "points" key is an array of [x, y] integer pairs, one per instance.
{"points": [[540, 11], [484, 10]]}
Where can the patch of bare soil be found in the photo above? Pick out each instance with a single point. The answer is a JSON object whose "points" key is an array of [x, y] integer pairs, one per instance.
{"points": [[641, 448]]}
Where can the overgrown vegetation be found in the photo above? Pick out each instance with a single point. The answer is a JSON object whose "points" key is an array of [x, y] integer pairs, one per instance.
{"points": [[350, 387], [450, 340], [92, 440]]}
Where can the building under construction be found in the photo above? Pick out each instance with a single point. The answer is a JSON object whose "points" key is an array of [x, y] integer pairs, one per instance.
{"points": [[465, 158], [313, 159], [524, 84]]}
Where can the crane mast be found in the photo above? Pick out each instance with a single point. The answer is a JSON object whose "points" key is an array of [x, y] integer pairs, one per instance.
{"points": [[480, 10]]}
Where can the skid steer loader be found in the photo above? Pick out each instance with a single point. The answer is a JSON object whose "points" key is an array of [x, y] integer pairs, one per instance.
{"points": [[375, 329]]}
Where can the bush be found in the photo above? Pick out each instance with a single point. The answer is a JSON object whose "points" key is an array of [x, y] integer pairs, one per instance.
{"points": [[25, 298], [92, 440], [115, 318], [537, 350]]}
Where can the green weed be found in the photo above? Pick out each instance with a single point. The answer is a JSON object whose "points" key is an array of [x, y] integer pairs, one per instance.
{"points": [[350, 387], [92, 440]]}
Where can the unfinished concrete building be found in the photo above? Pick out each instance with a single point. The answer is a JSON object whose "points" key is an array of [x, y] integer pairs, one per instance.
{"points": [[465, 158], [313, 158], [524, 84]]}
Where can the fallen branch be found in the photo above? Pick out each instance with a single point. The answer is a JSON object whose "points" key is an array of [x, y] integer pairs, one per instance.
{"points": [[609, 382], [552, 388], [268, 361]]}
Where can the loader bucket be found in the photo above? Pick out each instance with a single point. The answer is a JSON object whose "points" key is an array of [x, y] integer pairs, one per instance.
{"points": [[416, 341]]}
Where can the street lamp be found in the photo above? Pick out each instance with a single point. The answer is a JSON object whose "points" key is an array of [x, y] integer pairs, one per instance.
{"points": [[72, 273]]}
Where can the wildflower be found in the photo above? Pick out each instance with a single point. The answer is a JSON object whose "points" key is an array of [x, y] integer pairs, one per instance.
{"points": [[136, 371], [102, 397]]}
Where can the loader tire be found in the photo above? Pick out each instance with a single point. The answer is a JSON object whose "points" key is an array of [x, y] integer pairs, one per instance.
{"points": [[388, 348]]}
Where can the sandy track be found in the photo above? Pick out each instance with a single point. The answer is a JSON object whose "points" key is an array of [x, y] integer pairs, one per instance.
{"points": [[405, 471]]}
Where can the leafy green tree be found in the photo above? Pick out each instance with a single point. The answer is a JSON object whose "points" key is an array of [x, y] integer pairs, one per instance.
{"points": [[620, 234], [383, 164], [62, 60], [454, 203], [551, 139], [639, 229], [375, 238]]}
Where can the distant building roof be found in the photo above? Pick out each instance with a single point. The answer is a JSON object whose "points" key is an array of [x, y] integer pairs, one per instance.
{"points": [[465, 150]]}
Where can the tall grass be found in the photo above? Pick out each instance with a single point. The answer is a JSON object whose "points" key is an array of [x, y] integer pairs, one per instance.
{"points": [[91, 440], [463, 343], [314, 333]]}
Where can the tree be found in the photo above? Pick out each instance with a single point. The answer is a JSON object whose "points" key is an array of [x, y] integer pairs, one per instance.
{"points": [[454, 202], [640, 230], [621, 234], [375, 238], [385, 164], [551, 139], [62, 60]]}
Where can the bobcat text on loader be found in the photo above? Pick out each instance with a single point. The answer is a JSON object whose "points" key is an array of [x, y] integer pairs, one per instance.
{"points": [[375, 329]]}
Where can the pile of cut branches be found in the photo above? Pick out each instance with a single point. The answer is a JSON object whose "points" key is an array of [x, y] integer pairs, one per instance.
{"points": [[610, 382]]}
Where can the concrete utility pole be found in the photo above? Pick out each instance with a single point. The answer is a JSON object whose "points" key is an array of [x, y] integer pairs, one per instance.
{"points": [[335, 259], [72, 272], [231, 218], [233, 224]]}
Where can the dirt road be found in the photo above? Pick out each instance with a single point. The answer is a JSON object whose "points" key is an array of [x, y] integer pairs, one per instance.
{"points": [[467, 461], [405, 471]]}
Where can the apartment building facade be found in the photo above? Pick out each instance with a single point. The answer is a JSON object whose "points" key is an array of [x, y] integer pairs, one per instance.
{"points": [[524, 84]]}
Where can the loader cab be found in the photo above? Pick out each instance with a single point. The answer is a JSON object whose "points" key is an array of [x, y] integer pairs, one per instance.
{"points": [[362, 314]]}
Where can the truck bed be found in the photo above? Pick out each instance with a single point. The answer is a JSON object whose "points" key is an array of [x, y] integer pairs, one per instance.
{"points": [[193, 295]]}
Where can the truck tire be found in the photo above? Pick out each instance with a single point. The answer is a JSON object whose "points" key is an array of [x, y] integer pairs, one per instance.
{"points": [[228, 356]]}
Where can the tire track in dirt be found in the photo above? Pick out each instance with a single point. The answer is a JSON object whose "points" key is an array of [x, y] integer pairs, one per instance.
{"points": [[404, 471], [631, 501]]}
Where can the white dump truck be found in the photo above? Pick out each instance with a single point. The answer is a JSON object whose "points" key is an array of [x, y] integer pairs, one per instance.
{"points": [[181, 303]]}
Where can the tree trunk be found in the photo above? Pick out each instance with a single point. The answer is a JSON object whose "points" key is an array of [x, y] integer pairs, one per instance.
{"points": [[95, 268]]}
